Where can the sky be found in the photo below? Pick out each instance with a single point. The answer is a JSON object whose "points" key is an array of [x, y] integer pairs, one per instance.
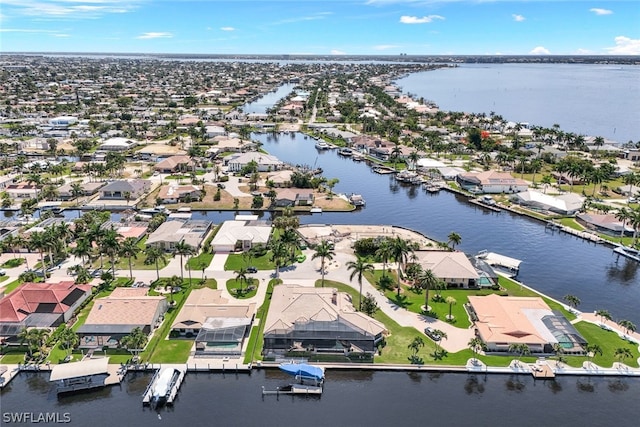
{"points": [[327, 27]]}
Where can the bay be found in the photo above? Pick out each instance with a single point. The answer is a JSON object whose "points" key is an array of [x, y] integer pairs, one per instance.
{"points": [[586, 99]]}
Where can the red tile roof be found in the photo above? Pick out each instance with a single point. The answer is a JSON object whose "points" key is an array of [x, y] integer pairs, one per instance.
{"points": [[26, 299]]}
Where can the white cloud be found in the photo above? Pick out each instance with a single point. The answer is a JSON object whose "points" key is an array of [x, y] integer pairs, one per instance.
{"points": [[337, 52], [599, 11], [540, 50], [584, 52], [385, 46], [227, 29], [314, 17], [405, 19], [518, 18], [155, 35], [625, 46], [69, 9]]}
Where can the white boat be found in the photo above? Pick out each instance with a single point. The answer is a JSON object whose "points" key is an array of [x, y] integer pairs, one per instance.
{"points": [[356, 200], [321, 145], [345, 152], [316, 209], [501, 263], [163, 384]]}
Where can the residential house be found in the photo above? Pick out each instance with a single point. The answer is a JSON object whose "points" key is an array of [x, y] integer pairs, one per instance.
{"points": [[22, 190], [220, 326], [453, 268], [242, 233], [175, 164], [65, 191], [319, 320], [604, 223], [564, 204], [506, 320], [134, 229], [491, 182], [123, 190], [113, 317], [179, 193], [294, 197], [169, 233], [117, 144], [265, 162], [40, 305], [281, 179]]}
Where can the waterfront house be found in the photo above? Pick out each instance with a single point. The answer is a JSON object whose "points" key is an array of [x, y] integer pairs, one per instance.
{"points": [[491, 182], [218, 325], [604, 223], [135, 229], [504, 320], [453, 268], [22, 190], [123, 190], [174, 164], [265, 162], [179, 193], [39, 305], [281, 179], [241, 233], [318, 320], [563, 204], [118, 144], [88, 189], [169, 233], [294, 197], [153, 152], [113, 317]]}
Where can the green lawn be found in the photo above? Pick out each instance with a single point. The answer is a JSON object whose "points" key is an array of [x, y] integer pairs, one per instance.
{"points": [[234, 286], [172, 351], [13, 262], [3, 278], [12, 286], [256, 339], [200, 262], [236, 261], [609, 341]]}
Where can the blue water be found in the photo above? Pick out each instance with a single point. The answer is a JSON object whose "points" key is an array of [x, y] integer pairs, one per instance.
{"points": [[597, 100]]}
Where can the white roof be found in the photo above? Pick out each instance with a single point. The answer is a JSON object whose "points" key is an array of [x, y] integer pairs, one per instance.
{"points": [[79, 369], [430, 163], [566, 202]]}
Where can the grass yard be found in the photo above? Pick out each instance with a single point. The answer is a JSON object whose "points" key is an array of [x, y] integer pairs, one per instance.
{"points": [[256, 338], [200, 262], [241, 289], [237, 261], [608, 341], [12, 286]]}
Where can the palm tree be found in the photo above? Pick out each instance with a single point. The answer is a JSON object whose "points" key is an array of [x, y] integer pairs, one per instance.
{"points": [[628, 326], [622, 353], [604, 315], [521, 349], [324, 251], [129, 249], [69, 337], [439, 335], [155, 255], [592, 350], [279, 253], [359, 267], [476, 345], [77, 191], [415, 346], [182, 248], [451, 301], [82, 249], [623, 215], [172, 283], [38, 241], [384, 252], [572, 300], [241, 277], [559, 351], [135, 341], [109, 244], [454, 239], [400, 249], [427, 280]]}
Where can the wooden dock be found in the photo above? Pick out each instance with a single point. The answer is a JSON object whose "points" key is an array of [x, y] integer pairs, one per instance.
{"points": [[542, 371], [484, 205]]}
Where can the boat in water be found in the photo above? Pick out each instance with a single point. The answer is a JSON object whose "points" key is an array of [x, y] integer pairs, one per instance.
{"points": [[357, 200], [500, 263], [321, 145], [628, 252], [345, 152], [161, 387]]}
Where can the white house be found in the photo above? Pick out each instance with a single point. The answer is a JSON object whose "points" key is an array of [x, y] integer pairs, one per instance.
{"points": [[265, 162], [117, 144], [243, 232], [565, 204], [492, 182]]}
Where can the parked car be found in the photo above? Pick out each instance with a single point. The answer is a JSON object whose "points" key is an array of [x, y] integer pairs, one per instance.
{"points": [[221, 185], [2, 272], [252, 270], [430, 332]]}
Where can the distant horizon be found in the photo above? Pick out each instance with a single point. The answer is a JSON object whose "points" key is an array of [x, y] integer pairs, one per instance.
{"points": [[328, 27]]}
